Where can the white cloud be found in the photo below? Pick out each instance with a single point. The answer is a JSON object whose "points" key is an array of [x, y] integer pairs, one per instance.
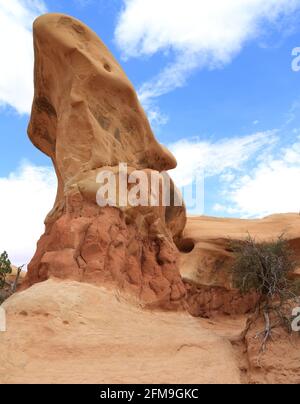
{"points": [[173, 76], [252, 176], [27, 195], [156, 117], [16, 49], [273, 187], [198, 33], [216, 158]]}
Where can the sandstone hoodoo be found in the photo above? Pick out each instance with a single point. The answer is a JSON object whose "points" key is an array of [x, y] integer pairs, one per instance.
{"points": [[86, 117]]}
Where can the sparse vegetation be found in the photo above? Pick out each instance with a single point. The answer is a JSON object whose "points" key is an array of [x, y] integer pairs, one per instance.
{"points": [[5, 269], [266, 268]]}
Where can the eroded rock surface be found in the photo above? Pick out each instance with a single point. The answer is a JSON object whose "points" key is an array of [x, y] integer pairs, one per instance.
{"points": [[87, 118], [70, 332]]}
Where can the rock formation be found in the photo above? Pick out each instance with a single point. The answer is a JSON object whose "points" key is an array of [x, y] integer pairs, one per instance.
{"points": [[87, 118], [205, 267]]}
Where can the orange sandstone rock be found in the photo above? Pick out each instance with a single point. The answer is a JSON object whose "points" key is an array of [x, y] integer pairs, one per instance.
{"points": [[86, 117]]}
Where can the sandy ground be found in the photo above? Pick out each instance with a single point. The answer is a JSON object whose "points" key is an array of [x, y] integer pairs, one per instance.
{"points": [[67, 332]]}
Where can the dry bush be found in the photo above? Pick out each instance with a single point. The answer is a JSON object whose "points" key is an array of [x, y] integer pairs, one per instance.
{"points": [[266, 268]]}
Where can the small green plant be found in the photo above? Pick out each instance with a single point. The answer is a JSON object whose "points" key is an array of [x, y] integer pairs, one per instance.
{"points": [[5, 268], [266, 268]]}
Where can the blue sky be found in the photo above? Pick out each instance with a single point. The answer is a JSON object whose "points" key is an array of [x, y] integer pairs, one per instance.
{"points": [[215, 78]]}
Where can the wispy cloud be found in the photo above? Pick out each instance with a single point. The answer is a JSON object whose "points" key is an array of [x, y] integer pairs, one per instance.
{"points": [[27, 195], [252, 176], [272, 187], [197, 34], [16, 49], [217, 158], [155, 116]]}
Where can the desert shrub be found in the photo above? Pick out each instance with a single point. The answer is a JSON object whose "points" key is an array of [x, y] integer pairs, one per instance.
{"points": [[5, 268], [266, 268]]}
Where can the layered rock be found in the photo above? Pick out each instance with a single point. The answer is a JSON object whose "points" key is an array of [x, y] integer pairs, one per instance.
{"points": [[87, 118]]}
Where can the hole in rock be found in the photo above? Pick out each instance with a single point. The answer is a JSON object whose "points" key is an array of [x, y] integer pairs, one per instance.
{"points": [[107, 67], [186, 245]]}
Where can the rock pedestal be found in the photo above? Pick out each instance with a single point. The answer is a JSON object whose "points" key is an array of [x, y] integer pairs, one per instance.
{"points": [[87, 118]]}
